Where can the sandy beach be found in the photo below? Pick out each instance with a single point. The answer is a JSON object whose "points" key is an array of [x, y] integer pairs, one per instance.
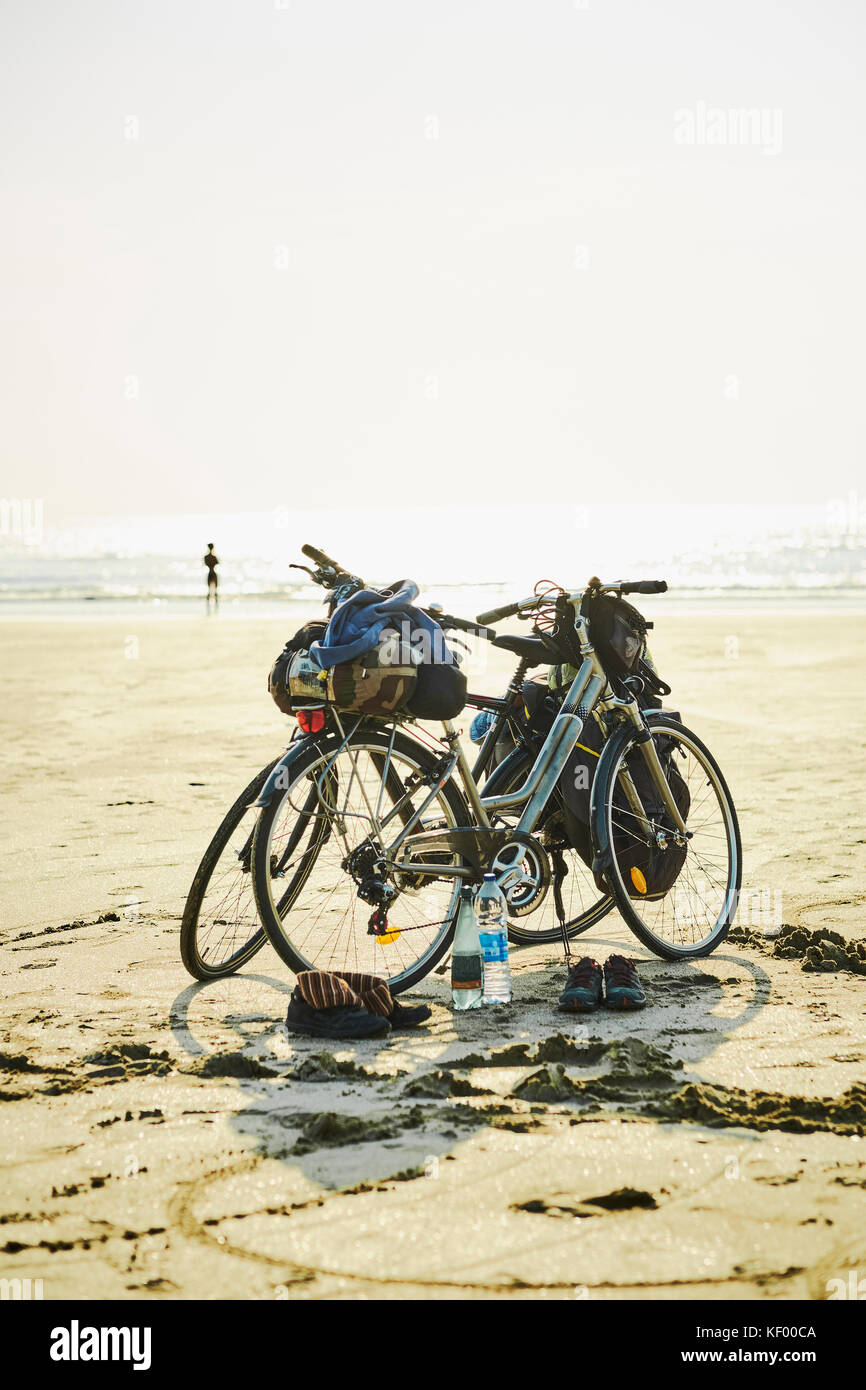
{"points": [[165, 1139]]}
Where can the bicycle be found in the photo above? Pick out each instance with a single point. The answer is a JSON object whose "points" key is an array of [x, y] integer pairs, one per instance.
{"points": [[220, 927], [374, 814]]}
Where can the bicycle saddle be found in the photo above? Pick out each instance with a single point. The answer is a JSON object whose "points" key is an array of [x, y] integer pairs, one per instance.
{"points": [[530, 649]]}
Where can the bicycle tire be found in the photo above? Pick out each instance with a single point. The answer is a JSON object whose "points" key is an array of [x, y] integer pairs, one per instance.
{"points": [[615, 748]]}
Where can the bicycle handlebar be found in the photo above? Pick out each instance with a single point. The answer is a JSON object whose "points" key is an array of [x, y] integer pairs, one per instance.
{"points": [[331, 573], [640, 586]]}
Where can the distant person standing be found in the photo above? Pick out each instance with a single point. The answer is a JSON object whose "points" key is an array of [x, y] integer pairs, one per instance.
{"points": [[211, 562]]}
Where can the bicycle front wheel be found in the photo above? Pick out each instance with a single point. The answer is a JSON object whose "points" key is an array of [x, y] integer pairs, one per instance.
{"points": [[690, 918], [319, 849]]}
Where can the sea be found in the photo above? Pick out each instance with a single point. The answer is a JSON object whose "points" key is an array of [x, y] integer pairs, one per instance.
{"points": [[466, 558]]}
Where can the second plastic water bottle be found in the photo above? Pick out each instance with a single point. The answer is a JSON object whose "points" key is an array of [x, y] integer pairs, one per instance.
{"points": [[466, 965], [492, 917]]}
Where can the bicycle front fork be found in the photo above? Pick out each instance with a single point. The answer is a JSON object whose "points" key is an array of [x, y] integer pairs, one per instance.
{"points": [[645, 742]]}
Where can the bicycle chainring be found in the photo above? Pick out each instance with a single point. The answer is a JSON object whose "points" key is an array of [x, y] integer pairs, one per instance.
{"points": [[529, 894]]}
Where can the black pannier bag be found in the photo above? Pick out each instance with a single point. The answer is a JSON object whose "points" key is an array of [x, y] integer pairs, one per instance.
{"points": [[647, 871]]}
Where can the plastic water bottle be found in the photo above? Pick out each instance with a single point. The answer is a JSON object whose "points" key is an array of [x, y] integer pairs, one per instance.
{"points": [[466, 965], [492, 917]]}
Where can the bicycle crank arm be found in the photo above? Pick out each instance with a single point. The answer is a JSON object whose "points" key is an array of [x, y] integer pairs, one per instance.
{"points": [[508, 865]]}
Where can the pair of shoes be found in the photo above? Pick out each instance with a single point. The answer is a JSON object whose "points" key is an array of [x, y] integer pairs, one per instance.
{"points": [[349, 1021], [619, 982]]}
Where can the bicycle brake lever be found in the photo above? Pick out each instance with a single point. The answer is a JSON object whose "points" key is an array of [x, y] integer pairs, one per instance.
{"points": [[307, 570]]}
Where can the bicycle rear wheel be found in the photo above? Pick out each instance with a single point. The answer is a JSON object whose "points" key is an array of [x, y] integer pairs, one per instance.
{"points": [[325, 829], [692, 917]]}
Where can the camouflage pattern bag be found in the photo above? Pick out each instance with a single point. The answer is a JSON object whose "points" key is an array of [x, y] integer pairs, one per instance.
{"points": [[379, 682]]}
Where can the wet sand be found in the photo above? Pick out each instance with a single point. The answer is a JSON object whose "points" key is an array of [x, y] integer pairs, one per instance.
{"points": [[166, 1139]]}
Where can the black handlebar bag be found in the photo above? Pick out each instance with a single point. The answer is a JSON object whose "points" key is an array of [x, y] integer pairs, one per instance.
{"points": [[618, 633]]}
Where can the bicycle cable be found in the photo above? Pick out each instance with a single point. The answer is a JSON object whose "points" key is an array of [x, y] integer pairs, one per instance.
{"points": [[545, 614]]}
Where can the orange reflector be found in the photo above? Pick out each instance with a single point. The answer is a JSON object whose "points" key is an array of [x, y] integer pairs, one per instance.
{"points": [[311, 721], [387, 937], [638, 880]]}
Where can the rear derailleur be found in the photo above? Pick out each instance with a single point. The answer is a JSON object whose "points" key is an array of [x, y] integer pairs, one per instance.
{"points": [[366, 866]]}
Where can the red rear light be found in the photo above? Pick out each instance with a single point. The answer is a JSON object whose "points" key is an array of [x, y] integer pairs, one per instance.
{"points": [[311, 721]]}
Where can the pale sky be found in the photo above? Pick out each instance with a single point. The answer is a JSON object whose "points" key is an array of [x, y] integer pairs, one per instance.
{"points": [[345, 252]]}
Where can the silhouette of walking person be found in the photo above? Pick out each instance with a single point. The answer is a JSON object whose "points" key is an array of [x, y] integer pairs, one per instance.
{"points": [[211, 562]]}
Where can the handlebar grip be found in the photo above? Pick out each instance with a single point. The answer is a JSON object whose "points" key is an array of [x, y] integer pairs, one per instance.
{"points": [[319, 556], [646, 586], [493, 615]]}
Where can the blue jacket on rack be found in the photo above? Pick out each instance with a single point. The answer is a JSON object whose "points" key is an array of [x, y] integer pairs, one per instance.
{"points": [[359, 621]]}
